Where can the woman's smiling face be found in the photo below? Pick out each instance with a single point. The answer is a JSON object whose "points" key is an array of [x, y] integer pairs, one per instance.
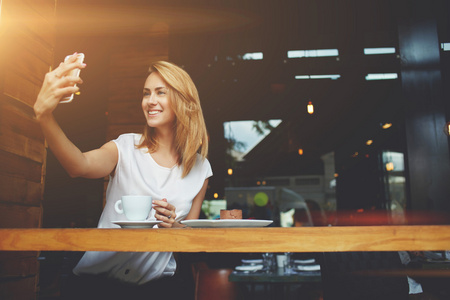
{"points": [[156, 102]]}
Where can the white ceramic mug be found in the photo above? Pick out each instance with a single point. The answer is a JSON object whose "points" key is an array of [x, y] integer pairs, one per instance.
{"points": [[281, 260], [135, 208]]}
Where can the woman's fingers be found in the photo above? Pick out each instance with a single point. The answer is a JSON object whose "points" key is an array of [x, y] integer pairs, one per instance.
{"points": [[166, 221], [65, 68], [61, 76], [164, 212], [66, 91], [57, 84], [71, 80], [55, 87], [168, 214], [163, 204]]}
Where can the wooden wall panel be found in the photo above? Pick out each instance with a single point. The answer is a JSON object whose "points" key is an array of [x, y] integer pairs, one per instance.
{"points": [[36, 16], [20, 190], [18, 289], [115, 130], [20, 216], [20, 133], [20, 88], [128, 88], [126, 82], [126, 113], [18, 264], [17, 166], [26, 63], [27, 38], [135, 62], [25, 66]]}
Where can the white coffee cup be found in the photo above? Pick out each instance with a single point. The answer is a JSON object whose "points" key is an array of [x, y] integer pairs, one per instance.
{"points": [[281, 260], [135, 208]]}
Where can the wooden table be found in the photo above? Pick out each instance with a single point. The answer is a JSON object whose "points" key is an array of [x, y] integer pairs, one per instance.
{"points": [[269, 239]]}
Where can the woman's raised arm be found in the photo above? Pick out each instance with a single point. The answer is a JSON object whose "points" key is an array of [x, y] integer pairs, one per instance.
{"points": [[93, 164]]}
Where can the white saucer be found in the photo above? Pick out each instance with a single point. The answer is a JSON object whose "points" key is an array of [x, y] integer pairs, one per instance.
{"points": [[136, 224], [308, 267], [252, 261], [305, 261], [249, 268]]}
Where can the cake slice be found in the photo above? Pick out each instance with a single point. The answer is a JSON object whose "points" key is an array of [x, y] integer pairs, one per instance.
{"points": [[230, 214]]}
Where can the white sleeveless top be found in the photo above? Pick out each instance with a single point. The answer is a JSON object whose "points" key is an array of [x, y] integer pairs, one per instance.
{"points": [[137, 173]]}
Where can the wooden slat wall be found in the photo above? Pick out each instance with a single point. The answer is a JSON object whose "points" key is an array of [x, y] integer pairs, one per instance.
{"points": [[129, 69], [27, 33]]}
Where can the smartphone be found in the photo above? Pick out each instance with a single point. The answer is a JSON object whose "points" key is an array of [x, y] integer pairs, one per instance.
{"points": [[74, 72]]}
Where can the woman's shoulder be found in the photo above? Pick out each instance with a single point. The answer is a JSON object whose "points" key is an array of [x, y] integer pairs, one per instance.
{"points": [[203, 163], [201, 159], [128, 137], [128, 140]]}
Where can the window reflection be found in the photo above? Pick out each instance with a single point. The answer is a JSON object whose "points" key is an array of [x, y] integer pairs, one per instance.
{"points": [[296, 198], [394, 180]]}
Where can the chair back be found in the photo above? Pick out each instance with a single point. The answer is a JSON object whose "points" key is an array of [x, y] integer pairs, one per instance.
{"points": [[213, 283]]}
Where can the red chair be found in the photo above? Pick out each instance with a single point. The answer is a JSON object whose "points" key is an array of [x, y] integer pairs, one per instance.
{"points": [[213, 283]]}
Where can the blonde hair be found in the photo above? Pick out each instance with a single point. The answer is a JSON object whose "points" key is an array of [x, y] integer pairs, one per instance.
{"points": [[190, 130]]}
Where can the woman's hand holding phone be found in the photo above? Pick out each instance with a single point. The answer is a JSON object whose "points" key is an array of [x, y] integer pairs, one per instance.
{"points": [[60, 85], [73, 73]]}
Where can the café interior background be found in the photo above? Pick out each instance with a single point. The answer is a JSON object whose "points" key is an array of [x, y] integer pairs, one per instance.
{"points": [[377, 139]]}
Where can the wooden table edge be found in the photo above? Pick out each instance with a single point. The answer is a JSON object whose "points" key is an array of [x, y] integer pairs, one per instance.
{"points": [[267, 239]]}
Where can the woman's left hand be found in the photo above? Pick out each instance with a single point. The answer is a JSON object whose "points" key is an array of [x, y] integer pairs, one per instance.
{"points": [[164, 212]]}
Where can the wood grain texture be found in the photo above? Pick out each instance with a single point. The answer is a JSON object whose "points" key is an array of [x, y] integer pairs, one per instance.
{"points": [[20, 266], [20, 88], [135, 61], [37, 17], [19, 190], [312, 239], [20, 216], [27, 38], [24, 62], [115, 130], [127, 89], [19, 288], [126, 113], [19, 132], [16, 166]]}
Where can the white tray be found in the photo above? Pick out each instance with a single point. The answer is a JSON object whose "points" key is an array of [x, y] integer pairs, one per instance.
{"points": [[226, 223]]}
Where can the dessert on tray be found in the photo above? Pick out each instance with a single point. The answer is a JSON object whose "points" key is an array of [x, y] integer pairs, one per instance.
{"points": [[230, 214]]}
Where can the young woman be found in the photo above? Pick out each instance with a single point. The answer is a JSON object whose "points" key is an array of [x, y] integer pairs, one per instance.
{"points": [[168, 162]]}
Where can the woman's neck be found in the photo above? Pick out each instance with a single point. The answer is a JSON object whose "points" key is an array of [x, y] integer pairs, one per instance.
{"points": [[166, 139], [166, 153]]}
